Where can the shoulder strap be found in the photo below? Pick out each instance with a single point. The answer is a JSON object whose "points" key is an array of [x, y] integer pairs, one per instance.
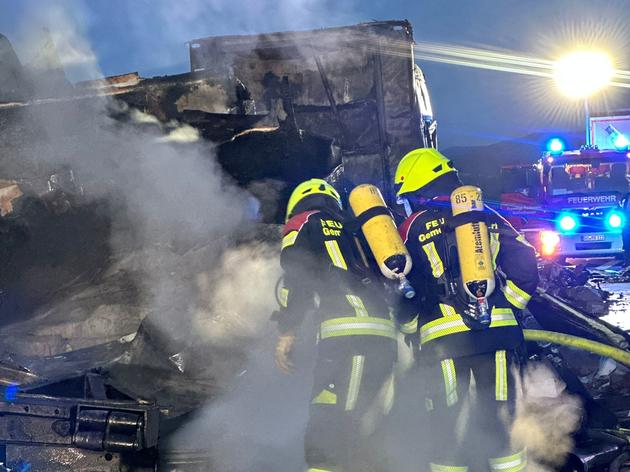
{"points": [[470, 217]]}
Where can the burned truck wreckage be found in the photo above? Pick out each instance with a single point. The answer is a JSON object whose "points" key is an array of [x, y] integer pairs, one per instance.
{"points": [[287, 106], [119, 316]]}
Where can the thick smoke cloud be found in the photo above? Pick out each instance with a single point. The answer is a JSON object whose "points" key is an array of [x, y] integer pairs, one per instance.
{"points": [[546, 418], [181, 229], [54, 36]]}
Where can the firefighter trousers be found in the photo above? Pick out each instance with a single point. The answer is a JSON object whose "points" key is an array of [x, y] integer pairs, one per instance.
{"points": [[346, 385], [470, 426]]}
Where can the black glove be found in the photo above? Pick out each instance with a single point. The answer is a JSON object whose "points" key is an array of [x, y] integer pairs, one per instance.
{"points": [[467, 310]]}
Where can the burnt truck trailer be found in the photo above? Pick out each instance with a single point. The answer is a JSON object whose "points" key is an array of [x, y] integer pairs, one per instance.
{"points": [[342, 103], [356, 88]]}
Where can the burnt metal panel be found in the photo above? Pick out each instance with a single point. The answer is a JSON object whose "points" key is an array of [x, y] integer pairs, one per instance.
{"points": [[66, 459], [330, 72], [14, 85], [87, 423], [23, 428]]}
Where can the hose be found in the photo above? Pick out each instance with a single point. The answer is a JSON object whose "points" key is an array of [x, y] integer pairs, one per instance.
{"points": [[576, 342]]}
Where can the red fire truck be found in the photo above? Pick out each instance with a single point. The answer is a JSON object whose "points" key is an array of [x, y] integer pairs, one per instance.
{"points": [[573, 203]]}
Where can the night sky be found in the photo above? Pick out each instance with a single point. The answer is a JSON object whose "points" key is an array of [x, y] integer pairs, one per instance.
{"points": [[472, 106]]}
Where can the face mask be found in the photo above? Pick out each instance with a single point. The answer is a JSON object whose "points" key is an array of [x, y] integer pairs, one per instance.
{"points": [[406, 205]]}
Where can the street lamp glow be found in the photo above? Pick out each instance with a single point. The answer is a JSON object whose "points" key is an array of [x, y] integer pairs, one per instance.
{"points": [[582, 73]]}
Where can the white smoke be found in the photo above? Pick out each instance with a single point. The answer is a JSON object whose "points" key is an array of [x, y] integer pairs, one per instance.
{"points": [[238, 296], [54, 37], [546, 418], [163, 28], [176, 231], [72, 47], [177, 212]]}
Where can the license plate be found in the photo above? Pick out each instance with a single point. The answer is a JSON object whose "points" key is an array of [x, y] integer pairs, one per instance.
{"points": [[594, 237]]}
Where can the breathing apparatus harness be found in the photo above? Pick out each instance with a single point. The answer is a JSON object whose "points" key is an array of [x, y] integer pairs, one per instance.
{"points": [[470, 277], [451, 281]]}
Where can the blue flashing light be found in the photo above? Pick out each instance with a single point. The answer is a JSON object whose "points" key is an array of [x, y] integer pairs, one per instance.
{"points": [[555, 146], [10, 393], [621, 142], [567, 222], [615, 220]]}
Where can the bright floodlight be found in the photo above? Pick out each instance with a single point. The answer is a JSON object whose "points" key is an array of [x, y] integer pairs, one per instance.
{"points": [[619, 140], [621, 143], [582, 73]]}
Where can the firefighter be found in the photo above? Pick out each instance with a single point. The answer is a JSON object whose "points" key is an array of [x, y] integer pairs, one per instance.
{"points": [[454, 345], [325, 272]]}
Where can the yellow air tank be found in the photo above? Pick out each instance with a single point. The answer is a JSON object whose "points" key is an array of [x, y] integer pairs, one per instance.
{"points": [[381, 234], [473, 249]]}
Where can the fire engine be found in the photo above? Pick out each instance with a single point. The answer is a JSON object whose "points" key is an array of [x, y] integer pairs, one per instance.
{"points": [[574, 203]]}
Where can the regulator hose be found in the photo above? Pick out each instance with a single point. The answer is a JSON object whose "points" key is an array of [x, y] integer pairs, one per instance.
{"points": [[576, 342]]}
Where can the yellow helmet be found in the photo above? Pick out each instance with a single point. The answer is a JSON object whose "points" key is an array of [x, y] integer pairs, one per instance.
{"points": [[419, 168], [308, 188]]}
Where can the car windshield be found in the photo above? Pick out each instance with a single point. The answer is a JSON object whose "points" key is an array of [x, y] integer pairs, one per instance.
{"points": [[587, 178]]}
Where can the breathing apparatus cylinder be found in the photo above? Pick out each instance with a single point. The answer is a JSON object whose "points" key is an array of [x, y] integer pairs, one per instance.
{"points": [[382, 237], [473, 249]]}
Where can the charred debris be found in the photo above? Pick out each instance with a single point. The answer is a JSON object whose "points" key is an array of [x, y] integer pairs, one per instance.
{"points": [[279, 107]]}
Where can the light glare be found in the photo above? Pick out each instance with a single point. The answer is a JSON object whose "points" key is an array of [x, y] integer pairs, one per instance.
{"points": [[582, 73], [615, 220], [567, 222], [555, 146], [549, 242], [621, 142]]}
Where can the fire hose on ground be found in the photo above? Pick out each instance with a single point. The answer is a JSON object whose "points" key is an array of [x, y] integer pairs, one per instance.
{"points": [[576, 342]]}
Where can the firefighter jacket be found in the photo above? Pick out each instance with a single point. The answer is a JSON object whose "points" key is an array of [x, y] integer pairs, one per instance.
{"points": [[441, 329], [324, 272]]}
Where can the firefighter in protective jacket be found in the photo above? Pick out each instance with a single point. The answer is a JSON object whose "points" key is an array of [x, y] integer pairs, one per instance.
{"points": [[453, 344], [326, 273]]}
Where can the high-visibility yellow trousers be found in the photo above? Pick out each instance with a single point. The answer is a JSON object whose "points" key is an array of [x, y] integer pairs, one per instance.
{"points": [[474, 438], [346, 385]]}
